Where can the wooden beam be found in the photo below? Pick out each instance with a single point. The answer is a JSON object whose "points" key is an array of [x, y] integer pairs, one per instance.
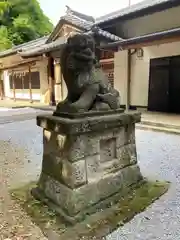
{"points": [[27, 62], [30, 84]]}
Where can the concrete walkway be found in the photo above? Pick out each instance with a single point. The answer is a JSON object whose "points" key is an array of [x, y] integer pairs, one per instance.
{"points": [[9, 103], [160, 122]]}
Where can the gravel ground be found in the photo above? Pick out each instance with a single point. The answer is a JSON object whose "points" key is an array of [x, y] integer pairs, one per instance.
{"points": [[20, 162], [159, 158]]}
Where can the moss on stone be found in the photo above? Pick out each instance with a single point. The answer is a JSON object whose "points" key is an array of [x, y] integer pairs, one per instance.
{"points": [[96, 225]]}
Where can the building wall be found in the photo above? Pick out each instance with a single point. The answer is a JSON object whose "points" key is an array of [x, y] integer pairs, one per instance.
{"points": [[37, 94], [120, 74], [44, 86], [7, 90], [158, 21], [140, 71]]}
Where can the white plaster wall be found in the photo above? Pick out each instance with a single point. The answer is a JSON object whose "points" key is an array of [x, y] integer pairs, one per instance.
{"points": [[158, 21], [26, 96], [6, 84], [140, 71], [43, 71], [120, 74]]}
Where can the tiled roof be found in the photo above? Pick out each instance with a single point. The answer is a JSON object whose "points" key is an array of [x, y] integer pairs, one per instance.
{"points": [[132, 9], [48, 47], [145, 38], [43, 48], [80, 15], [108, 35], [98, 31], [83, 22], [89, 26], [79, 22], [24, 46]]}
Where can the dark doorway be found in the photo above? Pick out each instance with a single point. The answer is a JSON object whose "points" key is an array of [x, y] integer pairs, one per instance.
{"points": [[164, 85]]}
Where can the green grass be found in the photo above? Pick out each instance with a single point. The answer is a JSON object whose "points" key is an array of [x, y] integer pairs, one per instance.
{"points": [[98, 224]]}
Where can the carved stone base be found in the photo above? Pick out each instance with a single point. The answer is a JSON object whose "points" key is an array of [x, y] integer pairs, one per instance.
{"points": [[87, 114], [86, 162]]}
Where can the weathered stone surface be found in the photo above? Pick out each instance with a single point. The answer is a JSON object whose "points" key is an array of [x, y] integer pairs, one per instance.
{"points": [[82, 146], [114, 182], [54, 142], [57, 192], [121, 137], [87, 160], [127, 155], [131, 133], [74, 174], [97, 124], [52, 166], [107, 149], [77, 200], [93, 168]]}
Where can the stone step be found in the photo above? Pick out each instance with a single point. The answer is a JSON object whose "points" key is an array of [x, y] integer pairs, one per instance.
{"points": [[160, 124], [159, 127]]}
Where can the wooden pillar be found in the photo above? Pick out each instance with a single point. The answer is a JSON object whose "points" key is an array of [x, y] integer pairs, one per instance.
{"points": [[58, 80], [51, 81], [14, 89], [62, 92], [30, 84], [1, 86]]}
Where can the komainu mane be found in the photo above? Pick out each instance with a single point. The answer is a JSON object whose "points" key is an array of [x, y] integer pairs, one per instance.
{"points": [[88, 88]]}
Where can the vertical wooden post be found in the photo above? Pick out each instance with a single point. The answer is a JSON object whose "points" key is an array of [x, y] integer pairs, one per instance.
{"points": [[51, 81], [1, 92], [1, 86], [62, 92], [30, 84], [14, 89]]}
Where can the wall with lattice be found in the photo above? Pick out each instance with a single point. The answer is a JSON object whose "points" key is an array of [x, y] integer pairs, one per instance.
{"points": [[108, 68]]}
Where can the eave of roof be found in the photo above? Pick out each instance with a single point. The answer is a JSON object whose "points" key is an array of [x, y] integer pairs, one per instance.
{"points": [[144, 39], [56, 45], [102, 33], [135, 10], [21, 63], [45, 48], [24, 46]]}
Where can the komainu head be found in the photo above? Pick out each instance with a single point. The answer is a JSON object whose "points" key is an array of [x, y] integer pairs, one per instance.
{"points": [[79, 53]]}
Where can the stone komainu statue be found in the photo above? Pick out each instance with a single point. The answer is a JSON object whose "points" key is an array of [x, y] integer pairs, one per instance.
{"points": [[88, 88]]}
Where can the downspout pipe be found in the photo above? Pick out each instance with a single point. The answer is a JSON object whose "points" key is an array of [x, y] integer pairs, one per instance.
{"points": [[128, 79]]}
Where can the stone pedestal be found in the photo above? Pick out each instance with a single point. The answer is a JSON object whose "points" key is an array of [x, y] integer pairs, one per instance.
{"points": [[87, 161]]}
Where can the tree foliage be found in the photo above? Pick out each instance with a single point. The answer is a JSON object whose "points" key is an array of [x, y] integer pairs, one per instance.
{"points": [[21, 21]]}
